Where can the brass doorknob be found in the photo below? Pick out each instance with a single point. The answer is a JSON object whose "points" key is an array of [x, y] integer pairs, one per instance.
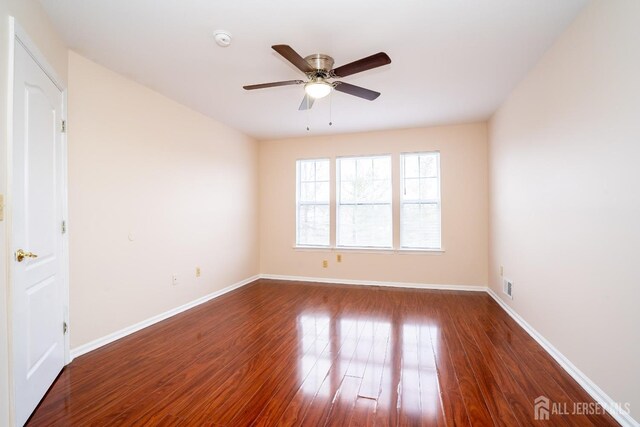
{"points": [[20, 255]]}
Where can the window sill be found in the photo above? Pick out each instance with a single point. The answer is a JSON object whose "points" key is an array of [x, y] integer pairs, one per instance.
{"points": [[402, 251], [410, 251], [313, 248]]}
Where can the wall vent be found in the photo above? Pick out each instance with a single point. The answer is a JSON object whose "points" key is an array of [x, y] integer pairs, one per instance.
{"points": [[507, 288]]}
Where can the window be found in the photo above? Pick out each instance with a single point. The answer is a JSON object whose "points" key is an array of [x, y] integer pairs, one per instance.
{"points": [[312, 202], [364, 202], [420, 201]]}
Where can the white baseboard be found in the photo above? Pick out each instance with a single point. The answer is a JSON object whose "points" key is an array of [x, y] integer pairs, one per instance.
{"points": [[624, 418], [472, 288], [97, 343]]}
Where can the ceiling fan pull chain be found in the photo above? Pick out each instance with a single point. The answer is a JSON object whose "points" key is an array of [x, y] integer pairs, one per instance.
{"points": [[330, 108], [308, 100]]}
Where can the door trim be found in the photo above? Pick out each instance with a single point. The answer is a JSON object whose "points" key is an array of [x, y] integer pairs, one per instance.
{"points": [[23, 38], [18, 35]]}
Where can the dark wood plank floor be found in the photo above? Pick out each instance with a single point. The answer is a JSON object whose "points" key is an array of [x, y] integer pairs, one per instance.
{"points": [[285, 353]]}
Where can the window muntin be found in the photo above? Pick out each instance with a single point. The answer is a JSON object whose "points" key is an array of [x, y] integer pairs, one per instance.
{"points": [[312, 202], [364, 212], [420, 222]]}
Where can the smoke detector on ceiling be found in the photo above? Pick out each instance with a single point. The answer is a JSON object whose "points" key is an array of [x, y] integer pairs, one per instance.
{"points": [[223, 38]]}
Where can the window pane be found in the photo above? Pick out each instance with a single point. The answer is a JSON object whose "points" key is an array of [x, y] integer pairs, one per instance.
{"points": [[347, 169], [411, 166], [308, 170], [428, 188], [420, 223], [322, 171], [371, 182], [366, 191], [313, 225], [382, 168], [307, 192], [364, 169], [428, 166], [347, 192], [312, 202], [381, 191], [411, 189], [364, 202], [347, 226], [322, 191], [365, 225]]}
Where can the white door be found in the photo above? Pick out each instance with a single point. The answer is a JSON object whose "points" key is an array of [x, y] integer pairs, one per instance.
{"points": [[37, 191]]}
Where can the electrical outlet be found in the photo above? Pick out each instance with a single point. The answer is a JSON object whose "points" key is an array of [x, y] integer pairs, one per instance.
{"points": [[339, 258], [501, 271], [325, 264], [174, 280], [197, 271]]}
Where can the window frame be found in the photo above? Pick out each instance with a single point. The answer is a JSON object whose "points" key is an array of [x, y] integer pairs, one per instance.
{"points": [[338, 204], [299, 203], [437, 201]]}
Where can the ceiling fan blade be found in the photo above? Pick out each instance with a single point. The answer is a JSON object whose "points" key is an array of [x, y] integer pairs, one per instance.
{"points": [[364, 64], [273, 84], [356, 91], [292, 56], [307, 103]]}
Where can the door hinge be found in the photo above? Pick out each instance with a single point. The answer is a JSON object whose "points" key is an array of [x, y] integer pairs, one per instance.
{"points": [[65, 328], [64, 126], [64, 227]]}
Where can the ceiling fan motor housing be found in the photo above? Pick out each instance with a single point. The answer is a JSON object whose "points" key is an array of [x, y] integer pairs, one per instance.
{"points": [[320, 62]]}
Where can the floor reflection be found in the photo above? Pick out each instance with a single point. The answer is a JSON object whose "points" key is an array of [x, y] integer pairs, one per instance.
{"points": [[390, 362], [313, 331]]}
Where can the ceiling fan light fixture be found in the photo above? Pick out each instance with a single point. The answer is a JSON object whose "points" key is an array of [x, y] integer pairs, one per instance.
{"points": [[318, 89]]}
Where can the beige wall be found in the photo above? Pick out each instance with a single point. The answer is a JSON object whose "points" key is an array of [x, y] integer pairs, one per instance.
{"points": [[565, 204], [181, 184], [463, 151], [31, 17]]}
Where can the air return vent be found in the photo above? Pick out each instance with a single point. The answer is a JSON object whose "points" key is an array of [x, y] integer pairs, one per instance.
{"points": [[507, 287]]}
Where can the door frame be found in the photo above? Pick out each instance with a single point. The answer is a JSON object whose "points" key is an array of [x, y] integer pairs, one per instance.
{"points": [[18, 35]]}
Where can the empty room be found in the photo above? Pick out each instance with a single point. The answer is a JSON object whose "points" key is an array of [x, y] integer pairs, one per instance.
{"points": [[346, 213]]}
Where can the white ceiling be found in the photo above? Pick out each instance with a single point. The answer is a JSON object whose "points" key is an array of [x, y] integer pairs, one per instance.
{"points": [[454, 61]]}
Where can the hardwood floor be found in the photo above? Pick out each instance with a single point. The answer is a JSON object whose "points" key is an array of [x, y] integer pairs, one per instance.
{"points": [[286, 353]]}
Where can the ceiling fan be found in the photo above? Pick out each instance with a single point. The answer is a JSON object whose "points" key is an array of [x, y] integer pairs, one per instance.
{"points": [[319, 70]]}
